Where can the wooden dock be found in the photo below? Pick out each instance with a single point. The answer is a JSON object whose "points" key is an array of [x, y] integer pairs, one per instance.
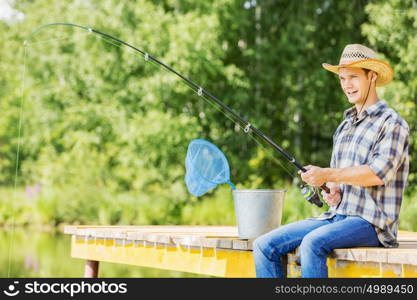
{"points": [[218, 251]]}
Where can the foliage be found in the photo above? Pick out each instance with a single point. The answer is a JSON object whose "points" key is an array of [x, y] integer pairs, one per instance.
{"points": [[104, 133], [392, 29]]}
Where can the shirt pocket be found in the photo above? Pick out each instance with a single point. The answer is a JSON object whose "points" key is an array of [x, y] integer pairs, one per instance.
{"points": [[362, 146]]}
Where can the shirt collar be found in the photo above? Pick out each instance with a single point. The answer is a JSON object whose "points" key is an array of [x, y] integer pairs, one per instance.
{"points": [[371, 110]]}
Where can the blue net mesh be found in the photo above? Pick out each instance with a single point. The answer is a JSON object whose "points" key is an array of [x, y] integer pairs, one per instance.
{"points": [[206, 167]]}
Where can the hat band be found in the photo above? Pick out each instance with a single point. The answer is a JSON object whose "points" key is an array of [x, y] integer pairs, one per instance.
{"points": [[355, 54], [350, 57]]}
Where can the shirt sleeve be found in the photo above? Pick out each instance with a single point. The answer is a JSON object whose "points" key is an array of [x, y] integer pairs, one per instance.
{"points": [[390, 151], [333, 160]]}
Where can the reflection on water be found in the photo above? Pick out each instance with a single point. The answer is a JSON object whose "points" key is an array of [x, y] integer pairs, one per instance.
{"points": [[47, 254]]}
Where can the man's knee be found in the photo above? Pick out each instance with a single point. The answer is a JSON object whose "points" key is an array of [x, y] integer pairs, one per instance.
{"points": [[313, 244], [261, 243], [269, 245]]}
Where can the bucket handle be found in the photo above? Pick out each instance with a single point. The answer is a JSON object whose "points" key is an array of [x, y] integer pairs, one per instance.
{"points": [[231, 184]]}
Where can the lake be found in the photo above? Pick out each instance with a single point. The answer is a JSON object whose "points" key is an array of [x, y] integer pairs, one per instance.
{"points": [[27, 252]]}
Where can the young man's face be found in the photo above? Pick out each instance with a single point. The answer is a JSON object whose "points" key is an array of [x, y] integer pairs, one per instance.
{"points": [[355, 84]]}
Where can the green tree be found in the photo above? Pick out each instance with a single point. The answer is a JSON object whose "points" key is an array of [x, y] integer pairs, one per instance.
{"points": [[392, 30], [97, 114], [97, 117], [280, 45]]}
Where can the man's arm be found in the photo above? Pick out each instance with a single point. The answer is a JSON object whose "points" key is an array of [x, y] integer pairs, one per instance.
{"points": [[359, 176], [390, 151]]}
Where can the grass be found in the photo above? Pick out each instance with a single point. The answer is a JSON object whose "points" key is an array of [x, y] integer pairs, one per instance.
{"points": [[97, 205]]}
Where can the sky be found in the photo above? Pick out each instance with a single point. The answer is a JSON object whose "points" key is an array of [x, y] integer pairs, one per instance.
{"points": [[7, 13]]}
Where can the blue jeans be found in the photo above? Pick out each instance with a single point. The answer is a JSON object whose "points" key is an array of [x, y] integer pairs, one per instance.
{"points": [[316, 238]]}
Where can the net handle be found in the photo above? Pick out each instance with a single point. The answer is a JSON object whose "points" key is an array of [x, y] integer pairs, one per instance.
{"points": [[231, 184]]}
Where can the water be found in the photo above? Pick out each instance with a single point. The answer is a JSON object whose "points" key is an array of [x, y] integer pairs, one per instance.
{"points": [[47, 254]]}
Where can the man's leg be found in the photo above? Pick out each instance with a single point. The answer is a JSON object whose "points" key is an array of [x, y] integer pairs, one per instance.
{"points": [[343, 232], [268, 248]]}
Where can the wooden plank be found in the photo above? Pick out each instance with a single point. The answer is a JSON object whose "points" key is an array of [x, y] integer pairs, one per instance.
{"points": [[242, 244], [226, 237], [183, 239], [72, 229], [152, 233], [225, 243], [157, 238], [407, 239], [407, 246], [220, 243], [224, 230], [383, 255], [374, 254], [102, 233], [191, 229], [202, 241], [186, 240], [403, 256], [140, 235]]}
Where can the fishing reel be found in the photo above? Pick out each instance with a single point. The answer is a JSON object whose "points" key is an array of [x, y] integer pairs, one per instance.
{"points": [[311, 194]]}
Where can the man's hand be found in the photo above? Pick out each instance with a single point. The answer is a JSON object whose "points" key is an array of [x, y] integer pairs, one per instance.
{"points": [[314, 176], [334, 197]]}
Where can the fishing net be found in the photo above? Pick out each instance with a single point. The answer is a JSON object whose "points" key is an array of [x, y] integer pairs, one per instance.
{"points": [[206, 167]]}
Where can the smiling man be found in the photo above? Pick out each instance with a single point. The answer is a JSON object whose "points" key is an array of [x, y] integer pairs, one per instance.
{"points": [[367, 176]]}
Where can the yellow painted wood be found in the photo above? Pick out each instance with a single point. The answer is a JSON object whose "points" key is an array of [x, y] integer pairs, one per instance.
{"points": [[217, 251], [340, 268], [293, 270], [354, 269], [409, 271], [208, 261]]}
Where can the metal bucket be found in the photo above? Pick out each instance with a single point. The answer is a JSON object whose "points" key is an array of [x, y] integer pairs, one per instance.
{"points": [[257, 211]]}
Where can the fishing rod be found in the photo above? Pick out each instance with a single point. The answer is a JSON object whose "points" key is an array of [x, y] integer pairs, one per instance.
{"points": [[310, 194]]}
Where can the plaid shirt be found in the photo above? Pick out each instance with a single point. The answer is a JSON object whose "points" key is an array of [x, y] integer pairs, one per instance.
{"points": [[379, 139]]}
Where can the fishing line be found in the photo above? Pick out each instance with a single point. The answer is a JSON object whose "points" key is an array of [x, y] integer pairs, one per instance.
{"points": [[118, 43], [11, 239], [184, 83], [231, 118], [254, 137], [244, 125], [311, 196], [201, 92], [196, 92]]}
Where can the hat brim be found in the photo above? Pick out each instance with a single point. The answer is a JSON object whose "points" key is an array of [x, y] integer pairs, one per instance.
{"points": [[383, 69]]}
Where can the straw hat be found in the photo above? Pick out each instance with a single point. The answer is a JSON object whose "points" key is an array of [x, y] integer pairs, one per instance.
{"points": [[359, 56]]}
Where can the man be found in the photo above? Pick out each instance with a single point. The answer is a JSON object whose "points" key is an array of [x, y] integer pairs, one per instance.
{"points": [[367, 176]]}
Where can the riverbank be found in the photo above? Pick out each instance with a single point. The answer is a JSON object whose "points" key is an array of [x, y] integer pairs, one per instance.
{"points": [[51, 209]]}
